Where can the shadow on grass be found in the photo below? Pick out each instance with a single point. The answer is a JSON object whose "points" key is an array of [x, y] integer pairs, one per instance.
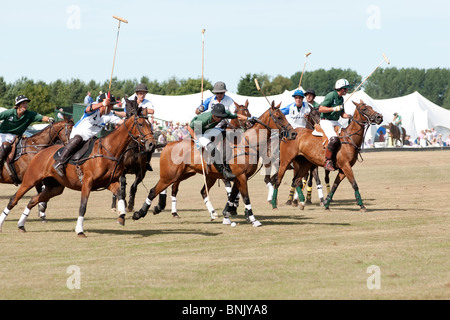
{"points": [[148, 233]]}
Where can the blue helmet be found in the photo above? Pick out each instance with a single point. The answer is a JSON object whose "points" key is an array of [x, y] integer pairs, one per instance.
{"points": [[298, 92]]}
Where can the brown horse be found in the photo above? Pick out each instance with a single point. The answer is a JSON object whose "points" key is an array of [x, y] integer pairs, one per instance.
{"points": [[395, 135], [312, 119], [235, 124], [309, 150], [100, 170], [181, 160], [26, 148]]}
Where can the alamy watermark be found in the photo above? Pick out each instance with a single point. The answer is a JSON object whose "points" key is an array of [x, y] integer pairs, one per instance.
{"points": [[374, 280], [74, 280], [373, 21], [73, 21]]}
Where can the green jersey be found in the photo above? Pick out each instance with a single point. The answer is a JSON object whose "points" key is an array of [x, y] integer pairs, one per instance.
{"points": [[314, 105], [207, 122], [12, 124], [332, 100]]}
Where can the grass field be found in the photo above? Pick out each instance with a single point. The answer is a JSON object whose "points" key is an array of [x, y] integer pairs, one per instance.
{"points": [[310, 254]]}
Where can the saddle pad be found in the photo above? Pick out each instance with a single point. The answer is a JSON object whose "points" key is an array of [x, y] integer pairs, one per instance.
{"points": [[79, 157]]}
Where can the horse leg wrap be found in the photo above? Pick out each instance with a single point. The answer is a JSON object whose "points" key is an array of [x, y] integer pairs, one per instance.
{"points": [[308, 194], [328, 200], [274, 198], [358, 198], [23, 218], [301, 196], [320, 191], [291, 193]]}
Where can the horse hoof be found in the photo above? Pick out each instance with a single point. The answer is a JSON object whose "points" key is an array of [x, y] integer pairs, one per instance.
{"points": [[301, 206], [294, 203], [175, 215], [256, 224], [156, 210], [289, 202], [363, 210], [121, 220], [275, 208], [43, 219], [137, 215], [22, 229], [113, 209], [130, 209], [226, 221], [81, 235]]}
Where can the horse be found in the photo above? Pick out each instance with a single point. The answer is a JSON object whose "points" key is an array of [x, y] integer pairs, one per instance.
{"points": [[308, 150], [312, 119], [235, 124], [100, 169], [181, 160], [395, 135], [135, 161], [24, 149]]}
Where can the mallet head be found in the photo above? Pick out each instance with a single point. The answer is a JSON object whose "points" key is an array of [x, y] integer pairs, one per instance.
{"points": [[257, 85], [386, 59], [120, 19], [306, 55]]}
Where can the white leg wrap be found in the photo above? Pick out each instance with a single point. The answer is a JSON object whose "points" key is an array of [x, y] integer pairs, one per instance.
{"points": [[3, 216], [319, 191], [295, 195], [270, 194], [23, 217], [163, 192], [174, 204], [248, 206], [79, 227], [148, 201], [121, 207]]}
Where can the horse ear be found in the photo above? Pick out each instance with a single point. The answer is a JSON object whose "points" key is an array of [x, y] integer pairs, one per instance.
{"points": [[273, 104], [354, 103], [236, 104], [278, 106], [246, 103]]}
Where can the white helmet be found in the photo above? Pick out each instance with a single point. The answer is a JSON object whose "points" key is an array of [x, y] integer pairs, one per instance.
{"points": [[341, 83]]}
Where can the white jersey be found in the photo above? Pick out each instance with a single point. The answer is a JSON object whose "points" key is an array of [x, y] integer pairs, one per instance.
{"points": [[295, 116], [145, 104], [226, 101], [91, 123]]}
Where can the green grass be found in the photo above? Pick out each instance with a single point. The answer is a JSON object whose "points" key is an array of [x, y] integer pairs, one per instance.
{"points": [[310, 254]]}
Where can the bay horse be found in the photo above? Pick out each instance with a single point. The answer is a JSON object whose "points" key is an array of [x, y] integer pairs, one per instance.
{"points": [[235, 124], [312, 119], [135, 160], [308, 150], [100, 170], [26, 148], [181, 160], [395, 135]]}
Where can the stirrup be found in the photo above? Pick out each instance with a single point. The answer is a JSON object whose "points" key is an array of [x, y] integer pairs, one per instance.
{"points": [[59, 168], [228, 175]]}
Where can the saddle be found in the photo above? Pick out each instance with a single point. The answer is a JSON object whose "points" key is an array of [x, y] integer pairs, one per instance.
{"points": [[15, 154], [80, 156], [318, 132]]}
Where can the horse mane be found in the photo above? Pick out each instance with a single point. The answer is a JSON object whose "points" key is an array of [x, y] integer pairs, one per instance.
{"points": [[132, 107]]}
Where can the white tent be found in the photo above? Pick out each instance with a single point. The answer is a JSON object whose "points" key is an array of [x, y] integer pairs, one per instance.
{"points": [[417, 112]]}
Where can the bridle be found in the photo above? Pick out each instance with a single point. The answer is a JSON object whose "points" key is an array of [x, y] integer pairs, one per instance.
{"points": [[284, 129], [141, 138]]}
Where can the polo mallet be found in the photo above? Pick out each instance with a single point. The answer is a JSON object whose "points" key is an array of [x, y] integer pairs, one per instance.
{"points": [[203, 58], [259, 89], [115, 50], [304, 65], [382, 61]]}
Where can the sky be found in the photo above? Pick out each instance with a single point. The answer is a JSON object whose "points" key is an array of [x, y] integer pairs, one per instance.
{"points": [[65, 39]]}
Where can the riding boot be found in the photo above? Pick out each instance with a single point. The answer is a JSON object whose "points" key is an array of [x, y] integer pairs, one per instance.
{"points": [[221, 168], [4, 151], [69, 149], [330, 153]]}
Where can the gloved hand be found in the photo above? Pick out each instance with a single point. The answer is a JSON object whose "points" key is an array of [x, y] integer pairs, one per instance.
{"points": [[51, 120], [106, 102], [252, 120], [201, 108], [338, 108]]}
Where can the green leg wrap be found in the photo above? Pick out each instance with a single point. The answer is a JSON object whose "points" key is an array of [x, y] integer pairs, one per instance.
{"points": [[301, 197], [358, 198], [328, 200], [274, 198]]}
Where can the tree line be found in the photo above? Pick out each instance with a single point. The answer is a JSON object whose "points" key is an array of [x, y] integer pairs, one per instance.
{"points": [[434, 84]]}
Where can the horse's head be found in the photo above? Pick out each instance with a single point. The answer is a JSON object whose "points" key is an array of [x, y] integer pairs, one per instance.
{"points": [[55, 132], [367, 114], [140, 130], [132, 107], [275, 119], [312, 118], [243, 110]]}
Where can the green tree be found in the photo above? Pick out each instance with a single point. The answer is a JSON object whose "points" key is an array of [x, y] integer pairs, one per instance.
{"points": [[247, 87], [191, 86], [277, 86]]}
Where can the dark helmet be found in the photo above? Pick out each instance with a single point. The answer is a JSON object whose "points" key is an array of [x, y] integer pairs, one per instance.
{"points": [[219, 110]]}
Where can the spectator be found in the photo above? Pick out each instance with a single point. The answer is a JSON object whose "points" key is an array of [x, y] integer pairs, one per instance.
{"points": [[407, 141], [447, 142], [88, 99]]}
